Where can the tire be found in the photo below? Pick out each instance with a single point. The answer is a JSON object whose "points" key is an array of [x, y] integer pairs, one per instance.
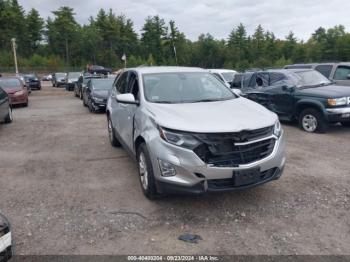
{"points": [[146, 175], [91, 108], [311, 121], [81, 95], [346, 124], [26, 104], [9, 117], [54, 85], [84, 103], [112, 138]]}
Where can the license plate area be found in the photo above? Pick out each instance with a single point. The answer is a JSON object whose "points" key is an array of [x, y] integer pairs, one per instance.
{"points": [[246, 177]]}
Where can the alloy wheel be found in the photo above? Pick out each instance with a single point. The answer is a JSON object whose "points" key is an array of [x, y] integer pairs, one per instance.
{"points": [[309, 123]]}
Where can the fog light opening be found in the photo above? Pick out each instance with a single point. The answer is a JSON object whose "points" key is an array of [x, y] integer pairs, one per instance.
{"points": [[167, 169]]}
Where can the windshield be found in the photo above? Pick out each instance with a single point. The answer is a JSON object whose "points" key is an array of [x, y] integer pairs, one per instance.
{"points": [[102, 84], [74, 75], [29, 76], [9, 83], [60, 74], [228, 76], [184, 88], [310, 78]]}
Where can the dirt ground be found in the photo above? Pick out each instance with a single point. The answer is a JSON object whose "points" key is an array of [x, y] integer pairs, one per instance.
{"points": [[67, 191]]}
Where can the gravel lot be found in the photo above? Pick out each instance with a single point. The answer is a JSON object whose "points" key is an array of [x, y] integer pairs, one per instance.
{"points": [[67, 191]]}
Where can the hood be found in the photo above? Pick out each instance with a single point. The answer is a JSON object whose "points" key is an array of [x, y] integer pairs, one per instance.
{"points": [[12, 90], [213, 117], [331, 91], [100, 93]]}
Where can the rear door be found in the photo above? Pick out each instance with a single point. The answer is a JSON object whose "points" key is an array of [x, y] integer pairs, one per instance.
{"points": [[281, 95], [342, 75], [256, 88]]}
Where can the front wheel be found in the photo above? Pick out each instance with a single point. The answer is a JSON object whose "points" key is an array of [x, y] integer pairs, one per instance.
{"points": [[112, 138], [146, 174], [9, 117], [311, 120]]}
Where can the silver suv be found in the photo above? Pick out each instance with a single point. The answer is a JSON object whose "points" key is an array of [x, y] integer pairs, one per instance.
{"points": [[189, 133]]}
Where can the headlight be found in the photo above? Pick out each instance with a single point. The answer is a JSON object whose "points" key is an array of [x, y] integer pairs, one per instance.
{"points": [[97, 99], [277, 130], [178, 138], [338, 101], [19, 93]]}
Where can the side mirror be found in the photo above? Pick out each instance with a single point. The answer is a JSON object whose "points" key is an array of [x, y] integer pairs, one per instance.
{"points": [[127, 99]]}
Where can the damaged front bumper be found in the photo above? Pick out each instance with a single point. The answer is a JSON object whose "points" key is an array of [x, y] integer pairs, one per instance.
{"points": [[193, 175]]}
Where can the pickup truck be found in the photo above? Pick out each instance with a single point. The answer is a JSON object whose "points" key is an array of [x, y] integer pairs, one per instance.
{"points": [[304, 95]]}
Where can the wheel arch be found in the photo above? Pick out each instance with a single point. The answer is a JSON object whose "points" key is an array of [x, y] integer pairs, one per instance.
{"points": [[304, 104]]}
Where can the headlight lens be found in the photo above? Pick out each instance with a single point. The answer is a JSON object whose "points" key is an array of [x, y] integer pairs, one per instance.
{"points": [[178, 138], [277, 131], [97, 99], [19, 93], [338, 101]]}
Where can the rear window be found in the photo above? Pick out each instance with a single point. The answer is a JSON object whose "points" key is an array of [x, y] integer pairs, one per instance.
{"points": [[9, 83]]}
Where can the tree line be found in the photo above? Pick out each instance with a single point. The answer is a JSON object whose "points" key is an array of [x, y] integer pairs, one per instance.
{"points": [[60, 41]]}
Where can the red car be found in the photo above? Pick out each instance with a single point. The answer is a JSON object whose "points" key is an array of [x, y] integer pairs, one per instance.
{"points": [[15, 89]]}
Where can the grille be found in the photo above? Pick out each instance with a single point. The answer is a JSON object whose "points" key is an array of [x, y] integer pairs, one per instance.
{"points": [[230, 183], [225, 153]]}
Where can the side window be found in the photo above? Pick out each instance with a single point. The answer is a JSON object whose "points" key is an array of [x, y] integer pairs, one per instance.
{"points": [[277, 79], [261, 80], [2, 94], [324, 70], [342, 73], [121, 84]]}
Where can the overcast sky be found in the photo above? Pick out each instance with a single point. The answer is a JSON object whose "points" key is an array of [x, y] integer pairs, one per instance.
{"points": [[216, 17]]}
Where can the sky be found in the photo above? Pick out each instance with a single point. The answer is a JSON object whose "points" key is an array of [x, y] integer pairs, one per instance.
{"points": [[216, 17]]}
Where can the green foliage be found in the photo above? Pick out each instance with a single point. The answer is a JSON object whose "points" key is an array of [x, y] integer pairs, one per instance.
{"points": [[61, 42]]}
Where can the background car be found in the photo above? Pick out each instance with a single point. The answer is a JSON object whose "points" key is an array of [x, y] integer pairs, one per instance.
{"points": [[96, 69], [17, 92], [58, 79], [96, 93], [5, 239], [71, 79], [225, 75], [337, 72], [80, 85], [5, 107], [32, 81], [47, 77], [300, 94]]}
